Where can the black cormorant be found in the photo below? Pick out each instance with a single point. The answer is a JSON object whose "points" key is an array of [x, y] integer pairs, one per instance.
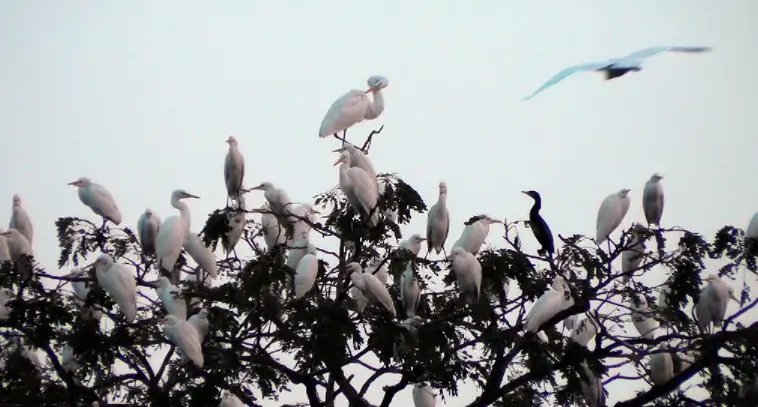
{"points": [[539, 227]]}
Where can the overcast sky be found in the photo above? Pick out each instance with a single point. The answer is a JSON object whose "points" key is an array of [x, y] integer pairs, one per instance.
{"points": [[140, 97]]}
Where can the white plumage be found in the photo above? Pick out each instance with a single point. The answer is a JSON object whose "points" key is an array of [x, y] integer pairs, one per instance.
{"points": [[585, 330], [199, 321], [371, 287], [592, 388], [645, 324], [423, 396], [468, 273], [652, 200], [173, 232], [273, 233], [712, 303], [171, 297], [5, 251], [631, 258], [473, 235], [236, 226], [230, 400], [306, 272], [661, 367], [296, 251], [438, 222], [354, 107], [148, 226], [81, 290], [185, 337], [381, 273], [279, 201], [359, 188], [20, 220], [410, 292], [413, 243], [611, 213], [549, 304], [360, 160], [234, 169], [202, 255], [97, 198], [359, 299], [118, 281]]}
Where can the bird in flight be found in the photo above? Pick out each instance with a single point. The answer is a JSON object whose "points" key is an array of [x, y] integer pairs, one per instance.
{"points": [[616, 67]]}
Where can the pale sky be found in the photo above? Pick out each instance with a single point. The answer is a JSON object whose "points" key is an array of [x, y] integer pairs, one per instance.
{"points": [[140, 97]]}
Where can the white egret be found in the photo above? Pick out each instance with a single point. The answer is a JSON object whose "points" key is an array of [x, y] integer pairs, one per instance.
{"points": [[712, 303], [585, 330], [117, 280], [202, 255], [661, 367], [642, 318], [200, 322], [273, 233], [632, 256], [413, 243], [423, 396], [473, 235], [751, 234], [592, 387], [171, 297], [18, 249], [359, 299], [611, 213], [354, 107], [652, 200], [360, 160], [410, 292], [297, 219], [371, 287], [549, 304], [296, 252], [5, 251], [81, 291], [5, 297], [97, 198], [148, 226], [568, 301], [438, 222], [230, 400], [616, 67], [381, 273], [20, 220], [236, 226], [234, 170], [306, 272], [173, 233], [185, 337], [278, 200], [468, 273], [359, 189]]}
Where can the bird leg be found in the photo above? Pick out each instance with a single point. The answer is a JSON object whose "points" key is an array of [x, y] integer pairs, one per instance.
{"points": [[343, 138]]}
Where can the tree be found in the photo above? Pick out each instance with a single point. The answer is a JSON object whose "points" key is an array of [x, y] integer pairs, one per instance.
{"points": [[262, 341]]}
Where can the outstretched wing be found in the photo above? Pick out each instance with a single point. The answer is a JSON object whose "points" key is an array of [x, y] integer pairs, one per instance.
{"points": [[652, 51], [590, 66]]}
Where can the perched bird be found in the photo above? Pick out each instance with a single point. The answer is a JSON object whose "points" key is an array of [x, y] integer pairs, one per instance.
{"points": [[359, 159], [306, 272], [642, 318], [81, 291], [236, 226], [615, 67], [539, 227], [381, 272], [410, 292], [185, 337], [199, 321], [751, 235], [234, 170], [585, 330], [296, 251], [423, 396], [413, 243], [632, 256], [19, 250], [438, 223], [611, 213], [549, 304], [468, 273], [473, 235], [712, 303], [97, 198], [273, 233], [661, 367], [298, 214], [173, 233], [592, 388], [202, 255], [171, 297], [118, 281], [279, 201], [20, 220], [359, 189], [652, 200], [359, 300], [371, 287], [354, 107], [148, 226]]}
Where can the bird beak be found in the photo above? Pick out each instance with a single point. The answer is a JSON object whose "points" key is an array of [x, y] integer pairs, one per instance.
{"points": [[75, 183], [6, 233], [339, 160], [422, 239], [258, 188], [192, 196], [339, 150], [371, 89], [524, 192]]}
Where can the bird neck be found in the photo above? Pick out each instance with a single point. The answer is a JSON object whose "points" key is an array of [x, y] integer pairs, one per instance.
{"points": [[536, 207], [184, 212], [442, 200], [376, 107]]}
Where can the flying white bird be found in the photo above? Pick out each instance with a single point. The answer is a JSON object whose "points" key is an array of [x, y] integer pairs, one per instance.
{"points": [[468, 273], [423, 396], [371, 287], [306, 272], [751, 234], [645, 324], [202, 255], [473, 235], [652, 200], [410, 292], [20, 220], [171, 297], [234, 170], [438, 222], [712, 303], [200, 322], [549, 304], [413, 243], [81, 290], [632, 256], [359, 189], [97, 198], [353, 108], [118, 281], [381, 274], [611, 213], [148, 226], [184, 336], [592, 388], [236, 226], [359, 159], [661, 367], [173, 233], [273, 233], [230, 400], [585, 330], [615, 67], [18, 249]]}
